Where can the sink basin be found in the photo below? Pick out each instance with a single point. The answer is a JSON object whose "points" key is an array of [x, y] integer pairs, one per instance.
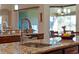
{"points": [[36, 45]]}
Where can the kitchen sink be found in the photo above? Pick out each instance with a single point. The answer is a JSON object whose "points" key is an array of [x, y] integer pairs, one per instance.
{"points": [[36, 45]]}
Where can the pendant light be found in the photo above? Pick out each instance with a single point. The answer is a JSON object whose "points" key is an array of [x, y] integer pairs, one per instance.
{"points": [[63, 11]]}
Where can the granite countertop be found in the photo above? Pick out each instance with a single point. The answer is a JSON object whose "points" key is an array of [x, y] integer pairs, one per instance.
{"points": [[62, 44], [17, 48]]}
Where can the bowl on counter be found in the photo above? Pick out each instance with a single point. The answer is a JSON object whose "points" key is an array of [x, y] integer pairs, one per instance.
{"points": [[68, 37]]}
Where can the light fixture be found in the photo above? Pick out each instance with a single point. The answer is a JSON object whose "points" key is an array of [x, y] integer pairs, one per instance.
{"points": [[68, 10], [16, 7], [63, 11], [59, 11]]}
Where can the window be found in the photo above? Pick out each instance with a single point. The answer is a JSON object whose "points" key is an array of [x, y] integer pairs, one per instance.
{"points": [[56, 23], [53, 23], [0, 23], [68, 19], [35, 27]]}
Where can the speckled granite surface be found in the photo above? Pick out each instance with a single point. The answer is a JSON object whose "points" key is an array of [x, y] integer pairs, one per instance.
{"points": [[17, 48]]}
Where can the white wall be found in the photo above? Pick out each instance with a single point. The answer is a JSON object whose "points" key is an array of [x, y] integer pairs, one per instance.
{"points": [[15, 17], [45, 23]]}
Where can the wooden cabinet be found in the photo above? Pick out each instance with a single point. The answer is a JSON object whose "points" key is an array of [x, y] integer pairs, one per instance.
{"points": [[8, 39], [40, 36], [56, 52], [72, 50]]}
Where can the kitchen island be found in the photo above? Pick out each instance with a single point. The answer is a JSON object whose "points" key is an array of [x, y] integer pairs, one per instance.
{"points": [[16, 37], [7, 38], [64, 47]]}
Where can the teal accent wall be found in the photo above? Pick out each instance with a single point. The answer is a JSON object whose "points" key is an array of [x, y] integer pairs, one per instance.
{"points": [[31, 14]]}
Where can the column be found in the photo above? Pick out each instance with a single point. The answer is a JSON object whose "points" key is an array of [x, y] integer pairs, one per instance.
{"points": [[44, 26]]}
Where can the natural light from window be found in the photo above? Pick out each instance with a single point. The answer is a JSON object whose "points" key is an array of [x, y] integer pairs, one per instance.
{"points": [[0, 22]]}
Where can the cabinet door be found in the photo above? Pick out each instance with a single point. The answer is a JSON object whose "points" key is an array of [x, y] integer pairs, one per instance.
{"points": [[72, 50], [56, 52]]}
